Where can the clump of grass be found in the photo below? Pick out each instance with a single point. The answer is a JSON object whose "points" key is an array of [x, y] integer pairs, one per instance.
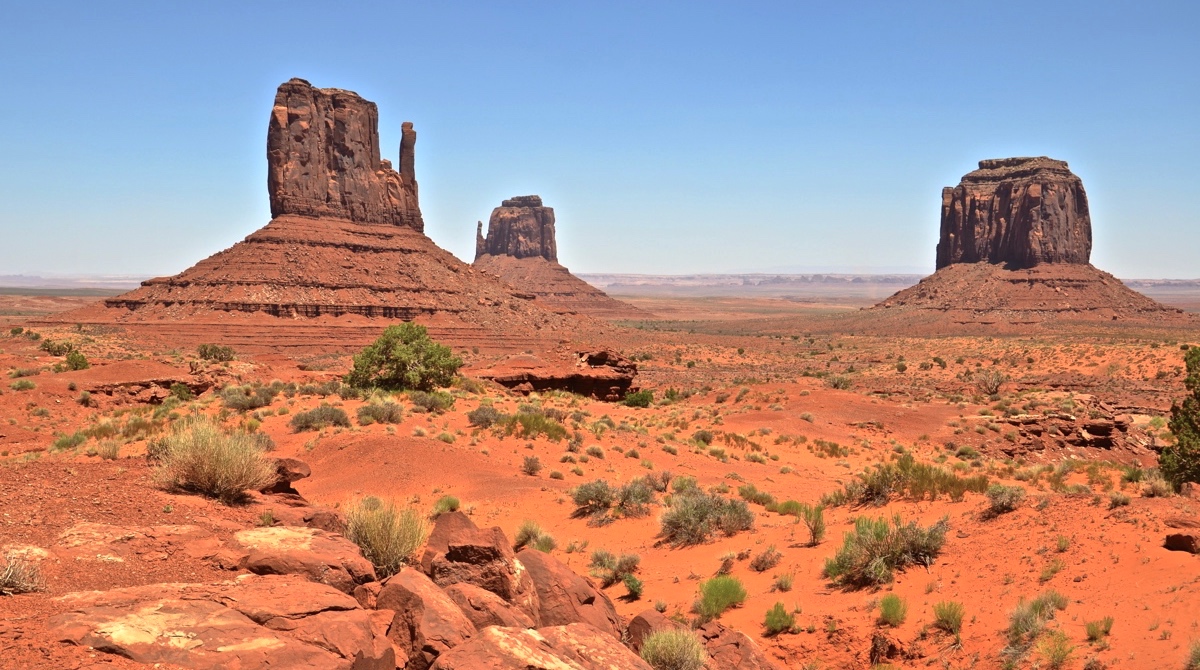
{"points": [[434, 402], [485, 416], [318, 418], [1003, 499], [719, 594], [610, 568], [779, 620], [1029, 619], [769, 558], [1193, 659], [388, 535], [531, 465], [1117, 499], [892, 610], [948, 616], [783, 583], [694, 516], [384, 412], [633, 587], [446, 503], [674, 650], [1098, 630], [199, 456], [18, 575], [245, 398], [875, 549], [1056, 648], [22, 385], [907, 478]]}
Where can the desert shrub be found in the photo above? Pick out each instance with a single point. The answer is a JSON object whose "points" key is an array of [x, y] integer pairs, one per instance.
{"points": [[22, 385], [435, 402], [1097, 630], [783, 582], [109, 450], [181, 392], [244, 398], [19, 575], [595, 452], [840, 382], [751, 494], [199, 456], [545, 543], [1056, 648], [905, 477], [948, 615], [318, 418], [1003, 499], [445, 504], [529, 425], [633, 587], [404, 358], [674, 650], [642, 398], [1117, 499], [531, 465], [214, 352], [989, 381], [634, 498], [389, 536], [1193, 659], [77, 361], [69, 441], [778, 620], [719, 594], [704, 437], [813, 517], [17, 373], [695, 516], [383, 412], [529, 533], [485, 416], [875, 549], [610, 568], [892, 609], [1180, 462], [1028, 620], [769, 558], [593, 498], [57, 348]]}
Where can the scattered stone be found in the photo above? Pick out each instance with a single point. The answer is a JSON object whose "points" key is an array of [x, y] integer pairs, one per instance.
{"points": [[732, 649]]}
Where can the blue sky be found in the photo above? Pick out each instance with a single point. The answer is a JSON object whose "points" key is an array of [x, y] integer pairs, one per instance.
{"points": [[670, 137]]}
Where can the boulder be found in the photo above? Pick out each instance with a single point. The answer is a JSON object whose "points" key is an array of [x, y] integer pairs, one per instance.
{"points": [[1189, 542], [460, 553], [732, 650], [573, 647], [565, 598], [287, 470], [1017, 211], [323, 159], [427, 623], [645, 623], [485, 608], [251, 622], [298, 550]]}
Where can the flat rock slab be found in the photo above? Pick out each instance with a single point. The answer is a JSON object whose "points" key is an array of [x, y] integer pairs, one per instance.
{"points": [[105, 542], [251, 622], [296, 550]]}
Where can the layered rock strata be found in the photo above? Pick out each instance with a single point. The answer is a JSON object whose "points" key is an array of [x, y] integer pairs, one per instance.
{"points": [[521, 250], [1020, 212]]}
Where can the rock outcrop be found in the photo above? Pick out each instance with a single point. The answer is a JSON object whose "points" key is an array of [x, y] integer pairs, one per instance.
{"points": [[520, 227], [343, 256], [603, 374], [1017, 211], [520, 249], [323, 159]]}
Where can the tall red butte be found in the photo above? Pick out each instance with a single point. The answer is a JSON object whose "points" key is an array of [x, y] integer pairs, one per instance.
{"points": [[343, 255], [1014, 251]]}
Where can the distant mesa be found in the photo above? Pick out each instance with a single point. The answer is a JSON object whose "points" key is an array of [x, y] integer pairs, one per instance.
{"points": [[1014, 250], [520, 248], [344, 253]]}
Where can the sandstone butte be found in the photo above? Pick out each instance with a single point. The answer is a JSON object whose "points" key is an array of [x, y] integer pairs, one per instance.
{"points": [[521, 249], [343, 255], [1014, 252]]}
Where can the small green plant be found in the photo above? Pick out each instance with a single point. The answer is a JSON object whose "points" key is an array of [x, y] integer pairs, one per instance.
{"points": [[77, 361], [389, 536], [674, 650], [769, 558], [445, 504], [633, 587], [319, 418], [531, 466], [694, 516], [1193, 659], [813, 517], [181, 392], [1099, 629], [527, 533], [22, 385], [404, 357], [610, 568], [892, 610], [642, 398], [485, 416], [384, 412], [948, 616], [719, 594], [779, 620], [875, 549], [213, 352], [783, 582], [435, 402], [1003, 499], [1056, 648], [545, 543]]}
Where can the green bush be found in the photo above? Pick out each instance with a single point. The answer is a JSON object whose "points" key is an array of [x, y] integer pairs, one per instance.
{"points": [[593, 498], [892, 610], [22, 385], [905, 477], [779, 620], [719, 594], [245, 398], [695, 516], [531, 466], [389, 536], [610, 568], [1029, 619], [384, 412], [200, 456], [633, 587], [642, 398], [404, 358], [875, 549], [318, 418], [57, 348], [674, 650], [634, 499], [485, 416], [435, 402], [1180, 462], [69, 441], [1003, 499], [527, 535], [1097, 630], [704, 437], [813, 517], [181, 392], [769, 558], [530, 425], [77, 361], [213, 352], [948, 615], [445, 504]]}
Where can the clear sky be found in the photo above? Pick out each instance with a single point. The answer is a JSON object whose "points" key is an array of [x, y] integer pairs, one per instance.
{"points": [[670, 137]]}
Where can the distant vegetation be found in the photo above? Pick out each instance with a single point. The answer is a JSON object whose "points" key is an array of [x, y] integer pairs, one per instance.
{"points": [[214, 352]]}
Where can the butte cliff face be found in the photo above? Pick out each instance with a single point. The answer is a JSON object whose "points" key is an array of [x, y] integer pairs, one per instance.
{"points": [[1016, 238], [1016, 211], [520, 249], [343, 255], [521, 228], [323, 159]]}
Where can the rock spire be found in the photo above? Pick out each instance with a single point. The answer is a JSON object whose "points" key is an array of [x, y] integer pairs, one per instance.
{"points": [[520, 227]]}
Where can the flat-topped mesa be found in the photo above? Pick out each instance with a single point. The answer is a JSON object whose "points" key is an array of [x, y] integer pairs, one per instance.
{"points": [[520, 227], [323, 159], [1017, 211]]}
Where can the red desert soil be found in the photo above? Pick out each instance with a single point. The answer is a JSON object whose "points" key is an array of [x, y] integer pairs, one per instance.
{"points": [[758, 392]]}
